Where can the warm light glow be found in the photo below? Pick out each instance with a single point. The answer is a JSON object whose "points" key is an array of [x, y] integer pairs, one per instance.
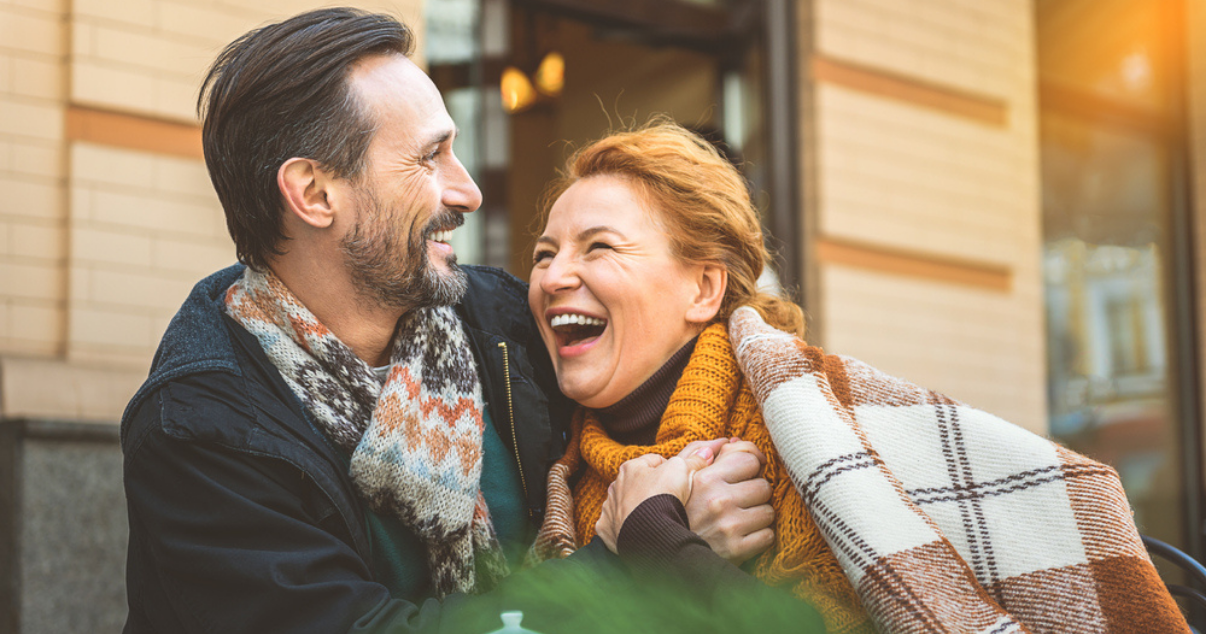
{"points": [[550, 76], [517, 91], [1136, 71]]}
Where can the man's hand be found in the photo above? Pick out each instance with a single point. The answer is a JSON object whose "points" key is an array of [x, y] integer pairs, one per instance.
{"points": [[642, 478], [730, 505]]}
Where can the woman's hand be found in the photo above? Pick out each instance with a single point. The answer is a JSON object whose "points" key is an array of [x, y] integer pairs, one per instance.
{"points": [[730, 504], [642, 478]]}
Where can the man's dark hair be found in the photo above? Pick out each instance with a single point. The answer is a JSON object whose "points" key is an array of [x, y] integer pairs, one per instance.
{"points": [[281, 92]]}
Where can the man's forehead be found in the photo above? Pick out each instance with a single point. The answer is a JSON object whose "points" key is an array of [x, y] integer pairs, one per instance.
{"points": [[401, 96]]}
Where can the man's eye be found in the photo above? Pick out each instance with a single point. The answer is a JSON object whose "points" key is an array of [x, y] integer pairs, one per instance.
{"points": [[598, 245], [431, 156]]}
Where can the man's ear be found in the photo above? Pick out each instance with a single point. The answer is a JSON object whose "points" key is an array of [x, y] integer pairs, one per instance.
{"points": [[307, 192], [712, 279]]}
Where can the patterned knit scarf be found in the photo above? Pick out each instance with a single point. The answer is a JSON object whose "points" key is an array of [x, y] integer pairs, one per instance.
{"points": [[415, 442], [711, 401]]}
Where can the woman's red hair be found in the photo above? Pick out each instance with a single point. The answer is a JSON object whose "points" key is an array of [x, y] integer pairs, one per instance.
{"points": [[701, 201]]}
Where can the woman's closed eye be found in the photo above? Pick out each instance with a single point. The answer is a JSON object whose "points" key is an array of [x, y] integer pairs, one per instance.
{"points": [[595, 246], [541, 256]]}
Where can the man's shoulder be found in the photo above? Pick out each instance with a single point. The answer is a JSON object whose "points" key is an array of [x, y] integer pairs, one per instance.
{"points": [[489, 282], [196, 340], [205, 406], [241, 411], [497, 302]]}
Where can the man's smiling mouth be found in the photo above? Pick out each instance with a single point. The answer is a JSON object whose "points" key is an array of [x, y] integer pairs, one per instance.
{"points": [[572, 329], [441, 227]]}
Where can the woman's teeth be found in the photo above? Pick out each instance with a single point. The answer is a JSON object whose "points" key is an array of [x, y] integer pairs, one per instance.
{"points": [[441, 236], [575, 320]]}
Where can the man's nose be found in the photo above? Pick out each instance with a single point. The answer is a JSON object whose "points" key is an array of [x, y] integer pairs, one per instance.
{"points": [[460, 192]]}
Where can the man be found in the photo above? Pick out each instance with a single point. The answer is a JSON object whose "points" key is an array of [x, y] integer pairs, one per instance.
{"points": [[352, 433]]}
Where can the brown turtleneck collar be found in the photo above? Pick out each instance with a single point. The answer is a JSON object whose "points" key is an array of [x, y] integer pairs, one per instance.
{"points": [[634, 419]]}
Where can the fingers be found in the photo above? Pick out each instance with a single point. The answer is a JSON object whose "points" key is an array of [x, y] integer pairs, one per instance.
{"points": [[751, 493], [635, 466], [606, 530], [742, 522], [738, 534], [650, 460], [698, 460], [754, 544], [646, 476], [756, 518], [686, 468], [736, 445], [734, 466], [694, 446]]}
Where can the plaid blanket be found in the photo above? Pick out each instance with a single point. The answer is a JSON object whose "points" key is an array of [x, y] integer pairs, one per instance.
{"points": [[946, 518]]}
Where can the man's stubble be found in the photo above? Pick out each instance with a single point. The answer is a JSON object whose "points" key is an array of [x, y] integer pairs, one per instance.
{"points": [[389, 263]]}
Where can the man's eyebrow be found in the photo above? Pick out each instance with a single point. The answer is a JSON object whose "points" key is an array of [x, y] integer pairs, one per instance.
{"points": [[441, 137]]}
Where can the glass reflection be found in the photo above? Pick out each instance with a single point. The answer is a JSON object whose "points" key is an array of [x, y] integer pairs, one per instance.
{"points": [[1105, 122]]}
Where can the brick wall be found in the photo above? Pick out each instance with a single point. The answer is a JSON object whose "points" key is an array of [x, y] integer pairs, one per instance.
{"points": [[149, 56], [33, 207], [909, 163], [101, 241], [144, 229]]}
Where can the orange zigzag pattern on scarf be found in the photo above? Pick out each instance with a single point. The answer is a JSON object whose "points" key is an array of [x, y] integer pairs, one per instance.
{"points": [[712, 400], [396, 415]]}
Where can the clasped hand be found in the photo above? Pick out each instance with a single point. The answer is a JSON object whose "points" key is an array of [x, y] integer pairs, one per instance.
{"points": [[717, 481]]}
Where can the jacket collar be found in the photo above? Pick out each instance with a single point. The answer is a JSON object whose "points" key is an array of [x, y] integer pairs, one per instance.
{"points": [[196, 339]]}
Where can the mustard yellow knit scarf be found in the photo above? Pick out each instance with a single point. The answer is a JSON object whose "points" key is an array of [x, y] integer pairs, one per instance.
{"points": [[712, 400]]}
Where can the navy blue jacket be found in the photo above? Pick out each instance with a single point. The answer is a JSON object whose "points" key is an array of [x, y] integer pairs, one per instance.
{"points": [[242, 517]]}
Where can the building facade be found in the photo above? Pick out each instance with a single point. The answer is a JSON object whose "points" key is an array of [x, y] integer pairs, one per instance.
{"points": [[998, 199]]}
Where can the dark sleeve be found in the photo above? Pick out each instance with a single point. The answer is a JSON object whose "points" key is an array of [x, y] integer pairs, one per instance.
{"points": [[229, 541], [658, 545]]}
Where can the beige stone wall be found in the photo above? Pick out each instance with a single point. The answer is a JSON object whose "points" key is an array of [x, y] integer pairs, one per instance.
{"points": [[99, 244], [33, 282], [926, 150], [143, 230], [149, 56]]}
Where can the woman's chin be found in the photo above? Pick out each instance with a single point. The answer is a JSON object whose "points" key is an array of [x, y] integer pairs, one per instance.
{"points": [[586, 396]]}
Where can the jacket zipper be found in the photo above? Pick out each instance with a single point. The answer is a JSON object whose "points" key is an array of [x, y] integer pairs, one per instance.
{"points": [[511, 416]]}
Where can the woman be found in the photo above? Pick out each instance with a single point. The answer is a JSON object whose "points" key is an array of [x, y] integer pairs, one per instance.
{"points": [[650, 256], [634, 277]]}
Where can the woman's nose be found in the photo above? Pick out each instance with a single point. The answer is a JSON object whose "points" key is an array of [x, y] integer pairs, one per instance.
{"points": [[560, 275]]}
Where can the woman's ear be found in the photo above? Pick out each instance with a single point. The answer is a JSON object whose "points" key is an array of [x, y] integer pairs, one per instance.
{"points": [[713, 279], [306, 190]]}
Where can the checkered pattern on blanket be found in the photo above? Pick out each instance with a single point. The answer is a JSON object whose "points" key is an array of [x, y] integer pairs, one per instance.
{"points": [[944, 517]]}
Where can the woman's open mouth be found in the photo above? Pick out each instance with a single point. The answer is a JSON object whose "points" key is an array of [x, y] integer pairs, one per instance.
{"points": [[575, 329]]}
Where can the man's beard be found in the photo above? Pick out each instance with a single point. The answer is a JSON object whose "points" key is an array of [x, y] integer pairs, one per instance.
{"points": [[399, 275]]}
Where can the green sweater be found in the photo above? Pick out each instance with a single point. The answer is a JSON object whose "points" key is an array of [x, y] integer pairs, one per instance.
{"points": [[399, 561]]}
